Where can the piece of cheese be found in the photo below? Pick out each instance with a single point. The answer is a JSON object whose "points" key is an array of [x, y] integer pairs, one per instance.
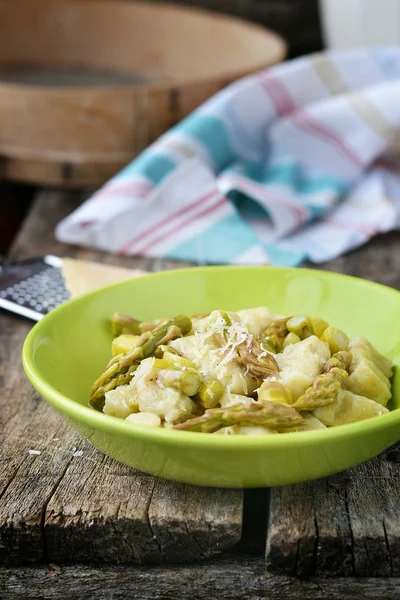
{"points": [[81, 276]]}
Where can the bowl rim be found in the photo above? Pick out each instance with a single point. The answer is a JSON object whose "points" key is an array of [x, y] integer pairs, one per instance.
{"points": [[279, 53], [118, 426]]}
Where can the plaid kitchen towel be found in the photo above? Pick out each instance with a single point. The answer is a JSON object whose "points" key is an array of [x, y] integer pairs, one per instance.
{"points": [[300, 161]]}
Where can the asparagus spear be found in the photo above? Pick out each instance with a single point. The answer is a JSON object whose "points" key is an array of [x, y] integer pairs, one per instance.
{"points": [[268, 414], [324, 390], [287, 331], [145, 347], [273, 337], [122, 323], [318, 325], [162, 348], [125, 324], [341, 360], [259, 363]]}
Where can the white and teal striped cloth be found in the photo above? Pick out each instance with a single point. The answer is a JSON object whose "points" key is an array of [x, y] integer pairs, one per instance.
{"points": [[300, 161]]}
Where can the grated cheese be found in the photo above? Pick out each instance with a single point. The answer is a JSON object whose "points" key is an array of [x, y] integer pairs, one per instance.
{"points": [[245, 387]]}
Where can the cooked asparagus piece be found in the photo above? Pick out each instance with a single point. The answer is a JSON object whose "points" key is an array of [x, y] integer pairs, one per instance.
{"points": [[120, 366], [301, 326], [324, 390], [97, 398], [125, 324], [291, 338], [318, 325], [210, 393], [268, 414], [283, 332], [341, 360], [162, 348], [335, 338], [259, 363], [273, 337], [122, 323]]}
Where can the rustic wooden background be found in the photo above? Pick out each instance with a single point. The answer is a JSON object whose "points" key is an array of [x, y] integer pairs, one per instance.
{"points": [[339, 535]]}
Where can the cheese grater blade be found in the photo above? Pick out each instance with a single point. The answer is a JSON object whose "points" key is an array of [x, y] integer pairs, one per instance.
{"points": [[32, 287]]}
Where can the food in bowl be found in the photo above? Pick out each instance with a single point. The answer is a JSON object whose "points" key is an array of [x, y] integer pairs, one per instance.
{"points": [[250, 372]]}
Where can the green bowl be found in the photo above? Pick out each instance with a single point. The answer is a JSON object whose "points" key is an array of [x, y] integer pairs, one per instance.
{"points": [[68, 349]]}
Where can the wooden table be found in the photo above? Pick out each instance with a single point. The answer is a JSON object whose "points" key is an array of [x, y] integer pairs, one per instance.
{"points": [[79, 525]]}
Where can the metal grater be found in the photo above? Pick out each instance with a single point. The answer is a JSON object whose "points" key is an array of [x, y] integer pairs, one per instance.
{"points": [[33, 287]]}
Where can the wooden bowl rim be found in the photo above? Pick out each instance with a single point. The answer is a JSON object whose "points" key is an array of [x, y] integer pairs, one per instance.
{"points": [[278, 53]]}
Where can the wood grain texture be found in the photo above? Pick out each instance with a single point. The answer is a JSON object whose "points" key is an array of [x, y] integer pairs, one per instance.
{"points": [[55, 506], [70, 502], [232, 579], [346, 524]]}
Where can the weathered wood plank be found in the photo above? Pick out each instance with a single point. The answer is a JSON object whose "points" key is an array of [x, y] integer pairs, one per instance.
{"points": [[70, 502], [347, 524], [234, 579], [317, 512], [343, 525], [107, 512], [309, 530]]}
